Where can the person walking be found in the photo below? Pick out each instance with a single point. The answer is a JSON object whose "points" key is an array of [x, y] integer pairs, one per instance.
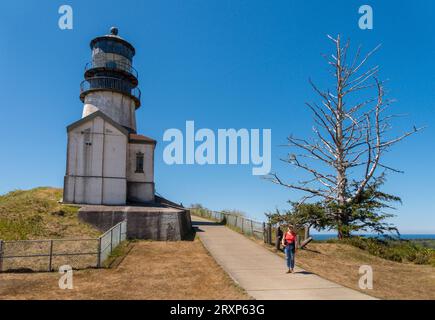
{"points": [[289, 242]]}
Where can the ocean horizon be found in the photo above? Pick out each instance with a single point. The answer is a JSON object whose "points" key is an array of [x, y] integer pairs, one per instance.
{"points": [[406, 236]]}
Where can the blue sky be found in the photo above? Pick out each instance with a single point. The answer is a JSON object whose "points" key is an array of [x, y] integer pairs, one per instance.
{"points": [[223, 64]]}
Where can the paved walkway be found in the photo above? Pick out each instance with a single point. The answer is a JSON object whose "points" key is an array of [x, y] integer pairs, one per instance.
{"points": [[261, 272]]}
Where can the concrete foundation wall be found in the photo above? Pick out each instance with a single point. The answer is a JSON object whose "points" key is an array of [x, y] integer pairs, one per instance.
{"points": [[153, 223], [158, 226], [102, 220]]}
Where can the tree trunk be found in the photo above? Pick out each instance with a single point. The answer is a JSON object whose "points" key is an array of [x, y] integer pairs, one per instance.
{"points": [[341, 161]]}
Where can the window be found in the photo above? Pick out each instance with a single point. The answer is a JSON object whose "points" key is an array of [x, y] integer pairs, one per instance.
{"points": [[87, 138], [139, 162]]}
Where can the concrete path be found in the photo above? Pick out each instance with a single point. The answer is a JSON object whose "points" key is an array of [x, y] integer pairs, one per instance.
{"points": [[261, 272]]}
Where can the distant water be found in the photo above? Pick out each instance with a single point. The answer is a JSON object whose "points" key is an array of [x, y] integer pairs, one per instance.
{"points": [[323, 236]]}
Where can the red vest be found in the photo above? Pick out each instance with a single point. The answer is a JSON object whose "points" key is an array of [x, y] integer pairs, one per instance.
{"points": [[290, 237]]}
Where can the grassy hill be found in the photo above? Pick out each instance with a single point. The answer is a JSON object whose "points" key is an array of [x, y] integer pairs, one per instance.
{"points": [[36, 214], [401, 270], [340, 263], [391, 280], [175, 270]]}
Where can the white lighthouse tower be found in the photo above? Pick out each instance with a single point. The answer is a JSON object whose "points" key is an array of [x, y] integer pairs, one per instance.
{"points": [[108, 163]]}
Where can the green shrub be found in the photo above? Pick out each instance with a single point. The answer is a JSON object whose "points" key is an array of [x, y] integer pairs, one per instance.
{"points": [[393, 256], [424, 256], [393, 249]]}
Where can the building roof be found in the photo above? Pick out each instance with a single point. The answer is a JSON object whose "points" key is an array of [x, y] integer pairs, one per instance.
{"points": [[115, 37], [132, 137], [138, 138], [92, 116]]}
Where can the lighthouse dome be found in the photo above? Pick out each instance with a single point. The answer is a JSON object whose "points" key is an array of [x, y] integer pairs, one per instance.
{"points": [[113, 43]]}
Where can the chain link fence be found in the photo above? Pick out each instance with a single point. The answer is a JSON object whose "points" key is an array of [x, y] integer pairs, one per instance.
{"points": [[50, 254], [256, 229], [259, 230], [110, 240]]}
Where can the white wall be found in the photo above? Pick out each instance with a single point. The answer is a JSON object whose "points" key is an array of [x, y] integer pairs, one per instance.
{"points": [[148, 151], [140, 185], [117, 106], [96, 173]]}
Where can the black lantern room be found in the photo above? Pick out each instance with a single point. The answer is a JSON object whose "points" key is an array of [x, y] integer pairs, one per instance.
{"points": [[111, 68]]}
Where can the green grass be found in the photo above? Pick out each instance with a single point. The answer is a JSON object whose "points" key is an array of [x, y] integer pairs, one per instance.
{"points": [[415, 251], [394, 250], [426, 243], [37, 214], [119, 252]]}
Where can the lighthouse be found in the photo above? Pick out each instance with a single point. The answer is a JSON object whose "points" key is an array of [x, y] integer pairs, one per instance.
{"points": [[108, 162]]}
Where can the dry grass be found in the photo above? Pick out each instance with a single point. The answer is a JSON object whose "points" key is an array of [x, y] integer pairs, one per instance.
{"points": [[151, 270], [340, 263], [36, 214], [391, 280]]}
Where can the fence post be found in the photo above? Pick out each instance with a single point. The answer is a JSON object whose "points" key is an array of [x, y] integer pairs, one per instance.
{"points": [[51, 256], [99, 253], [252, 228], [264, 232], [111, 240], [1, 255], [120, 233], [243, 224], [269, 233]]}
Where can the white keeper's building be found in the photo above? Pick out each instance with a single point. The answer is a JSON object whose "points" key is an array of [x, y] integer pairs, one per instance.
{"points": [[108, 162]]}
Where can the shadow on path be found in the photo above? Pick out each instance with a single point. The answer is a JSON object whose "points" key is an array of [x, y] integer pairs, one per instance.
{"points": [[203, 223]]}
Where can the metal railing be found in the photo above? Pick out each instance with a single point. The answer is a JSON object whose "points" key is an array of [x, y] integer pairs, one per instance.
{"points": [[110, 240], [244, 225], [259, 230], [50, 254], [110, 64], [104, 45], [111, 84]]}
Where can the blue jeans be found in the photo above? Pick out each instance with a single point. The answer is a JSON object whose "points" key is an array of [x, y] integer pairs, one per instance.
{"points": [[290, 255]]}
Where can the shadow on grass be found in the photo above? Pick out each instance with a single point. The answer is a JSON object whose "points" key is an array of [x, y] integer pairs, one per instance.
{"points": [[310, 250], [191, 235], [303, 272]]}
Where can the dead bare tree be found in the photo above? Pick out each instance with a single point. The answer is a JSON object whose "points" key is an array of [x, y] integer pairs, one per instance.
{"points": [[350, 136]]}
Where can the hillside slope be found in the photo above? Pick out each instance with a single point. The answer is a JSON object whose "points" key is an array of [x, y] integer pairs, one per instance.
{"points": [[179, 270], [36, 214], [391, 280]]}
